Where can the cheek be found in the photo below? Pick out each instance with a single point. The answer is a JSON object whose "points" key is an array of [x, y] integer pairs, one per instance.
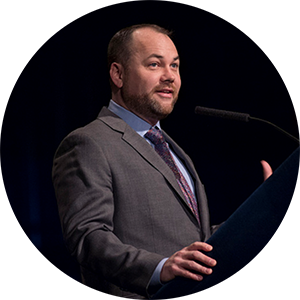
{"points": [[148, 83], [143, 82]]}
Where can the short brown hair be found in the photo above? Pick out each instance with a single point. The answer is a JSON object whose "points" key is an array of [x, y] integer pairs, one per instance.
{"points": [[119, 46]]}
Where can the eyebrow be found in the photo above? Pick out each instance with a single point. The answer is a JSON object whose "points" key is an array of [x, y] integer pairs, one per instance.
{"points": [[161, 57]]}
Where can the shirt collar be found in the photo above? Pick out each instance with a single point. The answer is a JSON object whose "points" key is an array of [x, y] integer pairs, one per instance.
{"points": [[135, 122]]}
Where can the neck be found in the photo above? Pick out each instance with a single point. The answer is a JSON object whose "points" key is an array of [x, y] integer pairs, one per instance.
{"points": [[119, 101]]}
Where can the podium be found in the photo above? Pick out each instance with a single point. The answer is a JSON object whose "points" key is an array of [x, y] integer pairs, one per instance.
{"points": [[246, 231]]}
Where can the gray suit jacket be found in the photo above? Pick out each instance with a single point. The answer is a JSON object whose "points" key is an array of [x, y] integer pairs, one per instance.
{"points": [[120, 206]]}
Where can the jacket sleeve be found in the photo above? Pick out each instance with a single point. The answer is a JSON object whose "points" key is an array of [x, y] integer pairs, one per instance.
{"points": [[84, 190]]}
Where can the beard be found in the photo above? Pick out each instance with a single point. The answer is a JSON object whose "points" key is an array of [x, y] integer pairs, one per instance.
{"points": [[146, 105]]}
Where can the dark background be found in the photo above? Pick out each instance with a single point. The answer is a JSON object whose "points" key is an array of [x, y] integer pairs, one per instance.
{"points": [[65, 85]]}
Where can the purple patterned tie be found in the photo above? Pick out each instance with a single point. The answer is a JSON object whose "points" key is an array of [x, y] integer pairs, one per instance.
{"points": [[155, 136]]}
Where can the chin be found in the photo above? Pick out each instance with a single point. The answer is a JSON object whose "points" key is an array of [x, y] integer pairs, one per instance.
{"points": [[162, 112]]}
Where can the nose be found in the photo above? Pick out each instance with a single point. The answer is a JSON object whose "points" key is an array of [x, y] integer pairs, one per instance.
{"points": [[168, 75]]}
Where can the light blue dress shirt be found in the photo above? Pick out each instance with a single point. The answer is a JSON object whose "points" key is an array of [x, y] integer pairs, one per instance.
{"points": [[142, 127]]}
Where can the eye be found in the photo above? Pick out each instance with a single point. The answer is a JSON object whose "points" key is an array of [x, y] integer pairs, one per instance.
{"points": [[153, 65], [175, 65]]}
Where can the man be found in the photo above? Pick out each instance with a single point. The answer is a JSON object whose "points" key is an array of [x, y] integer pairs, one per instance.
{"points": [[134, 219]]}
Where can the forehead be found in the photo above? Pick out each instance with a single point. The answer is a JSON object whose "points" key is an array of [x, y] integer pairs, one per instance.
{"points": [[146, 41]]}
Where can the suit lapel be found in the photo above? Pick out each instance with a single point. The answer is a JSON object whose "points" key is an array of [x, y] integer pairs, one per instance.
{"points": [[144, 149]]}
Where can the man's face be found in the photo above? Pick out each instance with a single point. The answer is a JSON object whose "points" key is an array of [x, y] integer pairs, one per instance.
{"points": [[151, 81]]}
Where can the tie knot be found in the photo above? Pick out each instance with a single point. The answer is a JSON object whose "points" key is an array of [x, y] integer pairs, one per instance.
{"points": [[155, 136]]}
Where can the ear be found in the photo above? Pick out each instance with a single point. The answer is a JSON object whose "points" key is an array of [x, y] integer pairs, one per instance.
{"points": [[116, 74]]}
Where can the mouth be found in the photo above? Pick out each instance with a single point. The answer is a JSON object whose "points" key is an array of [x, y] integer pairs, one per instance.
{"points": [[167, 93]]}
